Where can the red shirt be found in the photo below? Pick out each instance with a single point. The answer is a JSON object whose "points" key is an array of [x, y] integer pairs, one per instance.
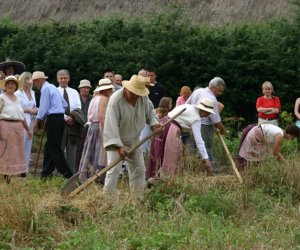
{"points": [[263, 102]]}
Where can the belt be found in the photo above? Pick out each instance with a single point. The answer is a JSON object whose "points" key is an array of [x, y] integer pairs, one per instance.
{"points": [[268, 119]]}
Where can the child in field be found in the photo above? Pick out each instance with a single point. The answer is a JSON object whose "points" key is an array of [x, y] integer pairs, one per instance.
{"points": [[156, 154]]}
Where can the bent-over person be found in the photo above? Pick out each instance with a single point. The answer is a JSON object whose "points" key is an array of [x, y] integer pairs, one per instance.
{"points": [[265, 140]]}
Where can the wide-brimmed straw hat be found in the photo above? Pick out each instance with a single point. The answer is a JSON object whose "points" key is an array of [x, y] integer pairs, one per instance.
{"points": [[18, 66], [137, 85], [104, 84], [84, 83], [11, 78], [38, 75], [206, 104]]}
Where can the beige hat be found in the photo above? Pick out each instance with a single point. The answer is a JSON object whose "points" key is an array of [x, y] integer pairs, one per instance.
{"points": [[206, 104], [104, 84], [11, 78], [84, 83], [38, 75], [137, 85]]}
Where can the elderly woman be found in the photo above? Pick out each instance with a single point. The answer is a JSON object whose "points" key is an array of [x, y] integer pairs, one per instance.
{"points": [[93, 151], [12, 122], [28, 104], [263, 141], [268, 106]]}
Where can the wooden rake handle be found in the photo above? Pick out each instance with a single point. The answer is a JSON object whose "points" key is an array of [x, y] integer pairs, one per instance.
{"points": [[40, 147], [237, 173], [114, 163]]}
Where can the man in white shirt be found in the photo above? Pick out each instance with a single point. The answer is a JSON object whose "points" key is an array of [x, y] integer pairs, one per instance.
{"points": [[72, 97]]}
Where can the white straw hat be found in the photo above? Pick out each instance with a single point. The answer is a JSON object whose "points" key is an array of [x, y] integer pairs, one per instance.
{"points": [[206, 104], [38, 75], [104, 84], [84, 83]]}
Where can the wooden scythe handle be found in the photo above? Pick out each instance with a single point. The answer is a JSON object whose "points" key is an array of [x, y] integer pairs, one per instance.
{"points": [[230, 158], [134, 147]]}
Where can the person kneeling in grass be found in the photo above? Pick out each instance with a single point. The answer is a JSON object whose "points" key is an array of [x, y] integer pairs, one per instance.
{"points": [[265, 140]]}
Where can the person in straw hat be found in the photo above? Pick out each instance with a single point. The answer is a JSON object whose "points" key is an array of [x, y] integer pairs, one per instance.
{"points": [[127, 112], [93, 151], [209, 124], [170, 152], [52, 106], [12, 122], [85, 97]]}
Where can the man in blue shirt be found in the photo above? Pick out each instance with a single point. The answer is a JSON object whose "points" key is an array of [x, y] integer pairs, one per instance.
{"points": [[52, 106]]}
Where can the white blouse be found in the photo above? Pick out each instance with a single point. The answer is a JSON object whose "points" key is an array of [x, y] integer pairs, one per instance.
{"points": [[11, 110]]}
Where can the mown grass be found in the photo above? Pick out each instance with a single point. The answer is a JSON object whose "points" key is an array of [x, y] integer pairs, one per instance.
{"points": [[191, 211]]}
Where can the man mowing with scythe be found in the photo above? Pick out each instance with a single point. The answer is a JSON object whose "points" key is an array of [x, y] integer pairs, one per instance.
{"points": [[127, 112]]}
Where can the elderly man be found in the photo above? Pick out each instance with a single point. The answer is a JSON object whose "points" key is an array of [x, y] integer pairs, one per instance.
{"points": [[127, 112], [208, 124], [52, 106], [85, 97], [71, 96], [118, 82]]}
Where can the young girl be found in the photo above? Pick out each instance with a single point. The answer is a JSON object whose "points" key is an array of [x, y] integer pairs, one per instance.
{"points": [[156, 154]]}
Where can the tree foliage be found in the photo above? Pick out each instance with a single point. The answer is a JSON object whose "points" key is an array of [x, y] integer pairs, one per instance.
{"points": [[245, 55]]}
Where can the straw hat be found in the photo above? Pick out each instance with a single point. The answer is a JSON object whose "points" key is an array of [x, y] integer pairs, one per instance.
{"points": [[137, 85], [206, 104], [104, 84], [18, 66], [11, 78], [38, 75], [84, 83]]}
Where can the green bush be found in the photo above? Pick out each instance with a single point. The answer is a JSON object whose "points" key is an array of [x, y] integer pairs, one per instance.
{"points": [[245, 55]]}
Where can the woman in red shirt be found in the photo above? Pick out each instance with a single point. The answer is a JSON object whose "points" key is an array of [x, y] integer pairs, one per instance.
{"points": [[268, 106]]}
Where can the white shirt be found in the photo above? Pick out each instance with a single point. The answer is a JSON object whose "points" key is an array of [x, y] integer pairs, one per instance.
{"points": [[190, 120], [196, 98], [270, 131], [26, 103], [11, 110], [74, 98]]}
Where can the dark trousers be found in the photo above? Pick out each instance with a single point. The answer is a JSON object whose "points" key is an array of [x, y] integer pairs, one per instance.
{"points": [[53, 153]]}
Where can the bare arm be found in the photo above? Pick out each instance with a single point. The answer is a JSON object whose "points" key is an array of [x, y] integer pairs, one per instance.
{"points": [[24, 123], [221, 128], [1, 104], [296, 108], [102, 109], [277, 147], [268, 110]]}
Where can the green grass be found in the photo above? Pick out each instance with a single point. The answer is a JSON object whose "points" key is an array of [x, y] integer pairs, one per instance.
{"points": [[187, 212]]}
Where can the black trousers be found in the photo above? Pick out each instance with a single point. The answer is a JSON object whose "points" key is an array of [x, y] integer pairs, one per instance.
{"points": [[53, 153]]}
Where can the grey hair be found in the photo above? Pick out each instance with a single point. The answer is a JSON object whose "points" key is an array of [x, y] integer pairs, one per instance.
{"points": [[217, 81], [63, 72], [25, 76]]}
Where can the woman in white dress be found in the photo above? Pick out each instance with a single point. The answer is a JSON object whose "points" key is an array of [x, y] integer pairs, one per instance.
{"points": [[28, 103]]}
